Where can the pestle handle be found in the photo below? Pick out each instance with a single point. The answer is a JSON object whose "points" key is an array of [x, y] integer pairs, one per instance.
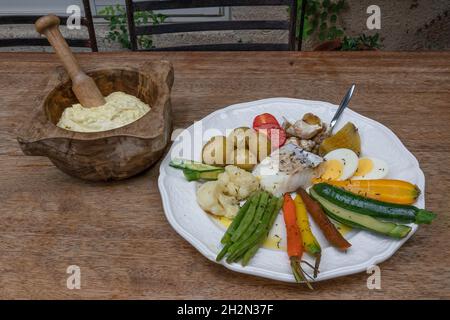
{"points": [[83, 86]]}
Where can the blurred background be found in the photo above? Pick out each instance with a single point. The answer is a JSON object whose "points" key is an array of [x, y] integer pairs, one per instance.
{"points": [[406, 25]]}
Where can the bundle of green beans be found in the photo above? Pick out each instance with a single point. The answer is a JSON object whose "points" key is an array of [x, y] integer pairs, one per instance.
{"points": [[250, 227]]}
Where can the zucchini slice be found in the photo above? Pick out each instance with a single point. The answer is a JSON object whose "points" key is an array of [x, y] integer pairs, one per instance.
{"points": [[192, 165], [192, 175], [361, 221], [370, 207]]}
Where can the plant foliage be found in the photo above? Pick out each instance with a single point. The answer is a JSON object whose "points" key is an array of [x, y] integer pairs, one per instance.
{"points": [[118, 29], [322, 16], [362, 42]]}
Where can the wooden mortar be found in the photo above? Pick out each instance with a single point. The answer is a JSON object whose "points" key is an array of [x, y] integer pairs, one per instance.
{"points": [[108, 155]]}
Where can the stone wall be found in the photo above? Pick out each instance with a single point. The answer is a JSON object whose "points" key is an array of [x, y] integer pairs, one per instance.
{"points": [[405, 25]]}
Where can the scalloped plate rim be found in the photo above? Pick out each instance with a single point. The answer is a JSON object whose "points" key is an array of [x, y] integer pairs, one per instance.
{"points": [[255, 271]]}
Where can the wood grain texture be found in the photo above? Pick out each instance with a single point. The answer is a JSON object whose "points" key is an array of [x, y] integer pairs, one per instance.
{"points": [[117, 232]]}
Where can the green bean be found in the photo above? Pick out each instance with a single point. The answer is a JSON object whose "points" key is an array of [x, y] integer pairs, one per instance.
{"points": [[249, 254], [223, 252], [247, 219], [237, 219], [241, 247], [263, 203], [252, 251], [259, 237], [278, 207], [251, 202]]}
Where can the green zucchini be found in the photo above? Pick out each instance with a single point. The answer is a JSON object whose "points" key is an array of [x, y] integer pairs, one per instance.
{"points": [[192, 175], [374, 208], [194, 170], [193, 165], [361, 221]]}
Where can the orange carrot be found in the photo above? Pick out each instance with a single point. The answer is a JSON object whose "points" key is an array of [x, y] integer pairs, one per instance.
{"points": [[294, 239], [329, 230]]}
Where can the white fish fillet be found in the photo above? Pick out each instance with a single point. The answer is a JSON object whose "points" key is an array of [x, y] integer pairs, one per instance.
{"points": [[287, 169]]}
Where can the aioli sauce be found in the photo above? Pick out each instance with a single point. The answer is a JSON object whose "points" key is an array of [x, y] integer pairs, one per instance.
{"points": [[120, 109]]}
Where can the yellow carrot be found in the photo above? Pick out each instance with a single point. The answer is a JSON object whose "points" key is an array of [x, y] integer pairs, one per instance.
{"points": [[388, 190], [310, 242], [294, 239]]}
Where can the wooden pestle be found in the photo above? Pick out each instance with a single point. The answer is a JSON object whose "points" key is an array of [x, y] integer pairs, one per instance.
{"points": [[83, 86]]}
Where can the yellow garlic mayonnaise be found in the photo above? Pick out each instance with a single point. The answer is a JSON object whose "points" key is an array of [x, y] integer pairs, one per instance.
{"points": [[120, 109]]}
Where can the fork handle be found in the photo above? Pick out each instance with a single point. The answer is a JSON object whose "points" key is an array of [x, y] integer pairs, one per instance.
{"points": [[342, 106]]}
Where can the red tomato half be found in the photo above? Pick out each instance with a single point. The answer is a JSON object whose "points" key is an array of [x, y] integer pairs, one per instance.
{"points": [[276, 134], [263, 119]]}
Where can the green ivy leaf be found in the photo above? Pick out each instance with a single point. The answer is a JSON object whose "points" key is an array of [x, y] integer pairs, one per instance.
{"points": [[118, 27], [307, 29], [331, 35], [333, 18], [162, 18], [322, 36], [311, 7]]}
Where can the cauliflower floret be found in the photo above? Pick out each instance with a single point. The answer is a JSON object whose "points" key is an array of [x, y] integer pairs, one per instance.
{"points": [[211, 198], [229, 204], [238, 183], [222, 197], [208, 197]]}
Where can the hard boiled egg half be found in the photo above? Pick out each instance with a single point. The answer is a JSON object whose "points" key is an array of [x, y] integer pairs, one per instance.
{"points": [[371, 168], [340, 164]]}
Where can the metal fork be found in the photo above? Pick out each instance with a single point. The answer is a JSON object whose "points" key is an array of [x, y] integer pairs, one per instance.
{"points": [[342, 106]]}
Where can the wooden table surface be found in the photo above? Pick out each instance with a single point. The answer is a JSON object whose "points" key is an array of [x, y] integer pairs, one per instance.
{"points": [[117, 232]]}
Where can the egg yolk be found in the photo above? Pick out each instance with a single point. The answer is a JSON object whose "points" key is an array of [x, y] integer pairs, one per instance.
{"points": [[332, 169], [364, 167]]}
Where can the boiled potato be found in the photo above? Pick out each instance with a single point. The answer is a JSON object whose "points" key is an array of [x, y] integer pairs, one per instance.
{"points": [[240, 137], [260, 146], [256, 142], [264, 146], [242, 158], [214, 152], [244, 147]]}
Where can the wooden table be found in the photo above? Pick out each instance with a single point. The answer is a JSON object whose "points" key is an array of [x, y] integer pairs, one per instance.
{"points": [[117, 232]]}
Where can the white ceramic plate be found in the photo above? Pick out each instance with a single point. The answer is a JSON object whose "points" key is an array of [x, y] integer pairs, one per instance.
{"points": [[204, 233]]}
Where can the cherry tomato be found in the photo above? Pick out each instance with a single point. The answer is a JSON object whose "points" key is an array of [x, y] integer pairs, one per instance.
{"points": [[276, 134], [265, 118]]}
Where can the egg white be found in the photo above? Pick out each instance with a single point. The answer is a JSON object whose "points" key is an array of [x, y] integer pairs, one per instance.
{"points": [[379, 170], [349, 161]]}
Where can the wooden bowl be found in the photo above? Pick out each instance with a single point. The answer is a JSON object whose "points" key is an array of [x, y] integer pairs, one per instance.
{"points": [[109, 155]]}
